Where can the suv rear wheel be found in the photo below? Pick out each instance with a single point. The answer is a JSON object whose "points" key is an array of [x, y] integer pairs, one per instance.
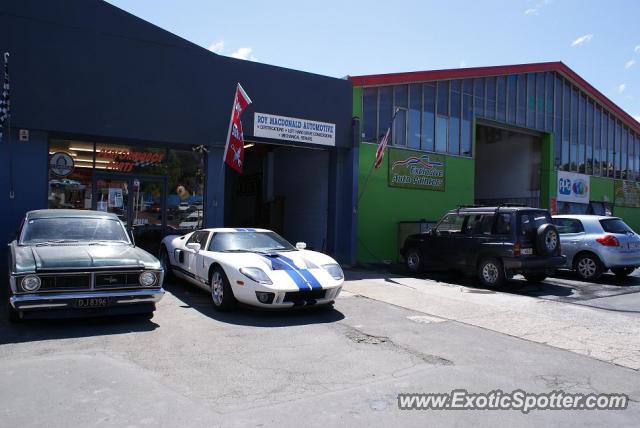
{"points": [[588, 267], [491, 273], [413, 260]]}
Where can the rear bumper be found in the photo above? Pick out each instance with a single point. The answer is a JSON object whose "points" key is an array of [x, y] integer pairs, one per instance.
{"points": [[613, 259], [523, 264], [66, 301]]}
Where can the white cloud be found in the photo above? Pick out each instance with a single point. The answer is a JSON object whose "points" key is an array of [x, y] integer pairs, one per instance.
{"points": [[581, 40], [629, 64], [462, 64], [637, 49], [535, 10], [532, 11], [621, 88], [244, 53], [216, 47]]}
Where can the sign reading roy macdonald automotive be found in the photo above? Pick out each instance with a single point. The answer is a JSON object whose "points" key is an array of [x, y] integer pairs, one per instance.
{"points": [[573, 187], [294, 129], [416, 170]]}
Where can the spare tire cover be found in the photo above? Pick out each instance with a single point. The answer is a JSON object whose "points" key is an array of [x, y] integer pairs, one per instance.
{"points": [[547, 239]]}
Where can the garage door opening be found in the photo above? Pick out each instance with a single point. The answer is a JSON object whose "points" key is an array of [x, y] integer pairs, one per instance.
{"points": [[507, 167], [284, 189]]}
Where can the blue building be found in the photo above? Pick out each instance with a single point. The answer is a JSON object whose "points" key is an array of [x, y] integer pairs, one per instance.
{"points": [[110, 112]]}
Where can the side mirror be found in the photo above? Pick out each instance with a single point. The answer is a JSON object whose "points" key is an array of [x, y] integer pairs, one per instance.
{"points": [[193, 246], [301, 245]]}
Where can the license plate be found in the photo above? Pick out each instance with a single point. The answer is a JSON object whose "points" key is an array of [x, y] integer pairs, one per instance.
{"points": [[92, 302], [527, 251]]}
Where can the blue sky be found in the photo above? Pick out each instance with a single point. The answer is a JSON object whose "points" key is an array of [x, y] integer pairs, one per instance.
{"points": [[598, 40]]}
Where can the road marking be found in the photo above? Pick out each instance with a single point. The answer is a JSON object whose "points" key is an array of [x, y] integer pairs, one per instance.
{"points": [[425, 319]]}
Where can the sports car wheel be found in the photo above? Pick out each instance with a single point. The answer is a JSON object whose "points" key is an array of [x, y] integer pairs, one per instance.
{"points": [[221, 293], [165, 263]]}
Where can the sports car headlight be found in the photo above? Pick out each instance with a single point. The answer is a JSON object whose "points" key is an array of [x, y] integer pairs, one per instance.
{"points": [[30, 283], [334, 270], [256, 274], [147, 279]]}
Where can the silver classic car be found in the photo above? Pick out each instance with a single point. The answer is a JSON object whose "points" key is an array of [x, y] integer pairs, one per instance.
{"points": [[76, 262]]}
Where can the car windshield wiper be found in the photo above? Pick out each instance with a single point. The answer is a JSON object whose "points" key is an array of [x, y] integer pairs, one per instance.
{"points": [[280, 249], [56, 241], [243, 251]]}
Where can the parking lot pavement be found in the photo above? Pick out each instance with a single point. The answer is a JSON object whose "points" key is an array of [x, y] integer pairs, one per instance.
{"points": [[193, 366], [559, 312]]}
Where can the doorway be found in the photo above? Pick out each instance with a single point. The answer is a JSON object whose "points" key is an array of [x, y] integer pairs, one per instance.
{"points": [[137, 200], [507, 167]]}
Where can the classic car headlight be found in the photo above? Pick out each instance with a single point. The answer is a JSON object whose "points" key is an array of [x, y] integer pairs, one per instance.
{"points": [[30, 283], [334, 270], [256, 274], [147, 279]]}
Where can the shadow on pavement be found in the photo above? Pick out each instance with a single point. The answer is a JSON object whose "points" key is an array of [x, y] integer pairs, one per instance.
{"points": [[38, 330], [198, 299]]}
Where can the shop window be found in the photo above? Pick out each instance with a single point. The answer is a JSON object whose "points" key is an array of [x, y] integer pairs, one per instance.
{"points": [[512, 90], [415, 113], [454, 120], [531, 100], [540, 99], [549, 101], [400, 128], [521, 113], [369, 114], [428, 117], [478, 96], [467, 118], [580, 157], [616, 155], [491, 98], [597, 145], [385, 110], [501, 101], [70, 174], [185, 191]]}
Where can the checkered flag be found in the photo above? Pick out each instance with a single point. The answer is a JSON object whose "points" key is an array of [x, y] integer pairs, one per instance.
{"points": [[5, 101]]}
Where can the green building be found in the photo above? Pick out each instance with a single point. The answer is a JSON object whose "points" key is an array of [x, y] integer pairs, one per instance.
{"points": [[534, 134]]}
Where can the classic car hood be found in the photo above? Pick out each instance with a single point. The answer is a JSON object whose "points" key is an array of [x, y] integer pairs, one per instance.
{"points": [[32, 258]]}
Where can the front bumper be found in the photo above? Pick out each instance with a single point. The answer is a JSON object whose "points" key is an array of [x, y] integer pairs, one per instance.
{"points": [[526, 264], [51, 301], [285, 299]]}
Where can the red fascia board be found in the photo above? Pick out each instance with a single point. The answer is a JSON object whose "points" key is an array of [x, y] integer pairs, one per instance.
{"points": [[466, 73]]}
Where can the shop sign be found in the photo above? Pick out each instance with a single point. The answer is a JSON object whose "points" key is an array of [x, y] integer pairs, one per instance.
{"points": [[294, 129], [417, 170], [627, 194], [61, 164], [126, 161], [573, 187]]}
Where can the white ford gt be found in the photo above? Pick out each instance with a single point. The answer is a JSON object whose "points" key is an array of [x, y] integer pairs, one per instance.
{"points": [[252, 266]]}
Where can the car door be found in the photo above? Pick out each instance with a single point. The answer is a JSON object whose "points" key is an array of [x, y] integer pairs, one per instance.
{"points": [[478, 232], [191, 256], [198, 265], [442, 246], [572, 234]]}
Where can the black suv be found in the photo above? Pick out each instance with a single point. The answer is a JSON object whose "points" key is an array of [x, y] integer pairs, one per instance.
{"points": [[493, 242]]}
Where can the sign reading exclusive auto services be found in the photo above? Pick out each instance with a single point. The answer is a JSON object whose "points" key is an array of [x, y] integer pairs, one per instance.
{"points": [[294, 129], [417, 170], [573, 187]]}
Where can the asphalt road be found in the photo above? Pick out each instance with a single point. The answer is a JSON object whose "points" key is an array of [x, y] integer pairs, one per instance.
{"points": [[192, 366]]}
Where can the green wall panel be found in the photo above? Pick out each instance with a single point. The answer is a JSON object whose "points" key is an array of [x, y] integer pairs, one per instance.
{"points": [[381, 207]]}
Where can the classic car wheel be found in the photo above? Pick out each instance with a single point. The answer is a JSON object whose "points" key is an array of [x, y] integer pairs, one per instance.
{"points": [[622, 272], [491, 273], [588, 267], [414, 260], [221, 293], [165, 263]]}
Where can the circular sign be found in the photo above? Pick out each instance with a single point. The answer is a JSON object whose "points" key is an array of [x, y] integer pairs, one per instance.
{"points": [[61, 164]]}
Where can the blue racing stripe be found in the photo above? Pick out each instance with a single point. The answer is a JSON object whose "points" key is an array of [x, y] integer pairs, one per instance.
{"points": [[308, 276], [291, 270]]}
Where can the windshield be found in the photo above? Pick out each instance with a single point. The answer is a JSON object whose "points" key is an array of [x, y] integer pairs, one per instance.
{"points": [[67, 229], [615, 225], [249, 242]]}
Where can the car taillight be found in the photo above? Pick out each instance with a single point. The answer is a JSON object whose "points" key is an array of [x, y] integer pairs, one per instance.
{"points": [[516, 249], [608, 241]]}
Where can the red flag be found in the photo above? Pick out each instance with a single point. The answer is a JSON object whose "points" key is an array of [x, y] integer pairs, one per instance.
{"points": [[234, 149]]}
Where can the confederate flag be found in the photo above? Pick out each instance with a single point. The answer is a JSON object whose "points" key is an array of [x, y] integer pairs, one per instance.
{"points": [[234, 149]]}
